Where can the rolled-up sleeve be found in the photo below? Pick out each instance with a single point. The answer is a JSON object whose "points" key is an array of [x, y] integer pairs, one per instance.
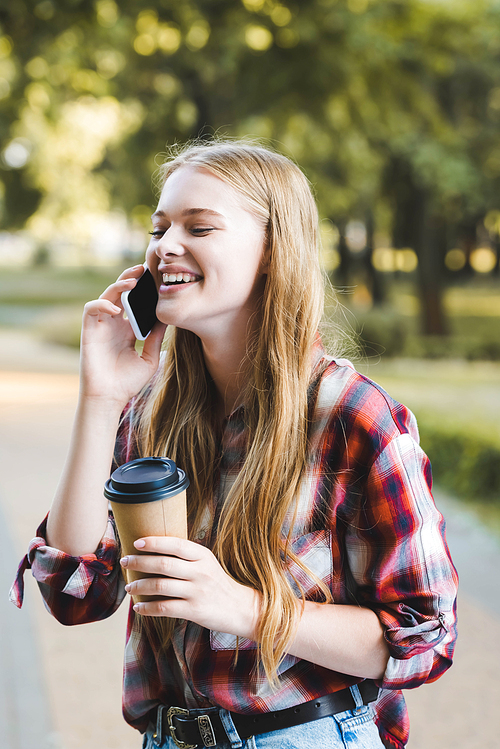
{"points": [[76, 590], [402, 566]]}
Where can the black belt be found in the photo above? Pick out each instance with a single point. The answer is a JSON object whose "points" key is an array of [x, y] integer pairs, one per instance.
{"points": [[203, 727]]}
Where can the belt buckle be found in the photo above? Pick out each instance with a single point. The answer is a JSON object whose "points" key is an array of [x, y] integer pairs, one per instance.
{"points": [[170, 714]]}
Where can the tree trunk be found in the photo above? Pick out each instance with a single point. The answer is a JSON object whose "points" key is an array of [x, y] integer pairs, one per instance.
{"points": [[342, 275], [417, 225], [375, 281], [430, 244]]}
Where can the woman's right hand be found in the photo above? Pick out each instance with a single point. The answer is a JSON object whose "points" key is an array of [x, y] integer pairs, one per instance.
{"points": [[110, 368]]}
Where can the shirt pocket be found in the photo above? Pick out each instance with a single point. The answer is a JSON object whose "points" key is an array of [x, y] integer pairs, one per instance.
{"points": [[314, 551]]}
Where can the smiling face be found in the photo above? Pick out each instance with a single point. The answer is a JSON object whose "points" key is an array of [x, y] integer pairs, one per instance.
{"points": [[207, 254]]}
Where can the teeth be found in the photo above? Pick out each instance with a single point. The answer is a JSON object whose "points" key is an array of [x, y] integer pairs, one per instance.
{"points": [[178, 277]]}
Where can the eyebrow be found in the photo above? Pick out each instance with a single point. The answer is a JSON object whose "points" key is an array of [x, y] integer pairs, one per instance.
{"points": [[191, 212]]}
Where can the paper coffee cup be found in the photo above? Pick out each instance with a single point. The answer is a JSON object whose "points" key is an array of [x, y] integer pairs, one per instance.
{"points": [[148, 498]]}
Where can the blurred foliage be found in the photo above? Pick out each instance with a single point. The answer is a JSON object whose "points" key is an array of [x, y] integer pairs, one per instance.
{"points": [[384, 331], [391, 106], [467, 464]]}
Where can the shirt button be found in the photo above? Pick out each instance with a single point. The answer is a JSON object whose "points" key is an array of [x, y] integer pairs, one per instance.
{"points": [[201, 535]]}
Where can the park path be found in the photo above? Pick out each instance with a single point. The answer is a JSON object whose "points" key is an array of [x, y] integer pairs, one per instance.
{"points": [[61, 686]]}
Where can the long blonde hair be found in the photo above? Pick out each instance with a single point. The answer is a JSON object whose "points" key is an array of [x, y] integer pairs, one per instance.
{"points": [[177, 417]]}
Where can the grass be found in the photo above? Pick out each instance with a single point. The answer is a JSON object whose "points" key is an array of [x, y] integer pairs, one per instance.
{"points": [[446, 391], [49, 300], [48, 286]]}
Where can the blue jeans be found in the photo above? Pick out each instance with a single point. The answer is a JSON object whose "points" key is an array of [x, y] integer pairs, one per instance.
{"points": [[352, 729]]}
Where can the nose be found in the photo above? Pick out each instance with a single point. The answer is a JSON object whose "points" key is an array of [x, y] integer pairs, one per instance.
{"points": [[169, 244]]}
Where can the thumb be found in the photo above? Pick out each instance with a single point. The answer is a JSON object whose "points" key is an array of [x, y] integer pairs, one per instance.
{"points": [[152, 344]]}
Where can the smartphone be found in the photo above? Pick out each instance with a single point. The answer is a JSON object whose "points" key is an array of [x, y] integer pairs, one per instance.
{"points": [[140, 305]]}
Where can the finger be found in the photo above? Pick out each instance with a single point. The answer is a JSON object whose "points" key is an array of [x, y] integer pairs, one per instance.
{"points": [[172, 546], [165, 587], [100, 306], [152, 344], [124, 282], [159, 564], [175, 608], [135, 271], [115, 291]]}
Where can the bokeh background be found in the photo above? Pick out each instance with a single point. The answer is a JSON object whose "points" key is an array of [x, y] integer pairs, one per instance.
{"points": [[392, 108]]}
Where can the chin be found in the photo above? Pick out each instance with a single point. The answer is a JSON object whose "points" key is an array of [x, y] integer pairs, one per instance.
{"points": [[173, 321]]}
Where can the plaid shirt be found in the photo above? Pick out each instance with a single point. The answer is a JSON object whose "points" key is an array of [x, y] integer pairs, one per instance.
{"points": [[366, 525]]}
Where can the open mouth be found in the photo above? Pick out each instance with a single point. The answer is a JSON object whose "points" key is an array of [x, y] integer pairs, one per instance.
{"points": [[176, 279]]}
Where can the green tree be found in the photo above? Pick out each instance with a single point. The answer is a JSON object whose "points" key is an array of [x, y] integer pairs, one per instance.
{"points": [[392, 107]]}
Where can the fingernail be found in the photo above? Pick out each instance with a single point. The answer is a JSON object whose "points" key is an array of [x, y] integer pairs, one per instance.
{"points": [[139, 544], [137, 607], [127, 587], [124, 561]]}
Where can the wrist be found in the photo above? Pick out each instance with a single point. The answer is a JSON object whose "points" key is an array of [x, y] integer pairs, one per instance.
{"points": [[100, 409], [250, 612]]}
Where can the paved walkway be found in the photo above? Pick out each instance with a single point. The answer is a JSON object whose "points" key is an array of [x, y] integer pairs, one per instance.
{"points": [[25, 719], [60, 687]]}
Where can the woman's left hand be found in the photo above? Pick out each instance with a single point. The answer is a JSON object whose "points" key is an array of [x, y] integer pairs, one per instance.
{"points": [[194, 585]]}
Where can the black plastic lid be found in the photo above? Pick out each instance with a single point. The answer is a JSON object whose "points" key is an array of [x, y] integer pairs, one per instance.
{"points": [[145, 480]]}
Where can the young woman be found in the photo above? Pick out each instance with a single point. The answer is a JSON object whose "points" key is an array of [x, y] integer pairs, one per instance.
{"points": [[316, 583]]}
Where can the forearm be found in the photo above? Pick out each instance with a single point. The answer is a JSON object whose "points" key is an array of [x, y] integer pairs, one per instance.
{"points": [[78, 515], [347, 639]]}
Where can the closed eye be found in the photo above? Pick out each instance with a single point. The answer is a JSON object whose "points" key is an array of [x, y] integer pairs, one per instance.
{"points": [[199, 230]]}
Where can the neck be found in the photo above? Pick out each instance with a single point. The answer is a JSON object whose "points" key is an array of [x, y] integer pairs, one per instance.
{"points": [[225, 353], [227, 363]]}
